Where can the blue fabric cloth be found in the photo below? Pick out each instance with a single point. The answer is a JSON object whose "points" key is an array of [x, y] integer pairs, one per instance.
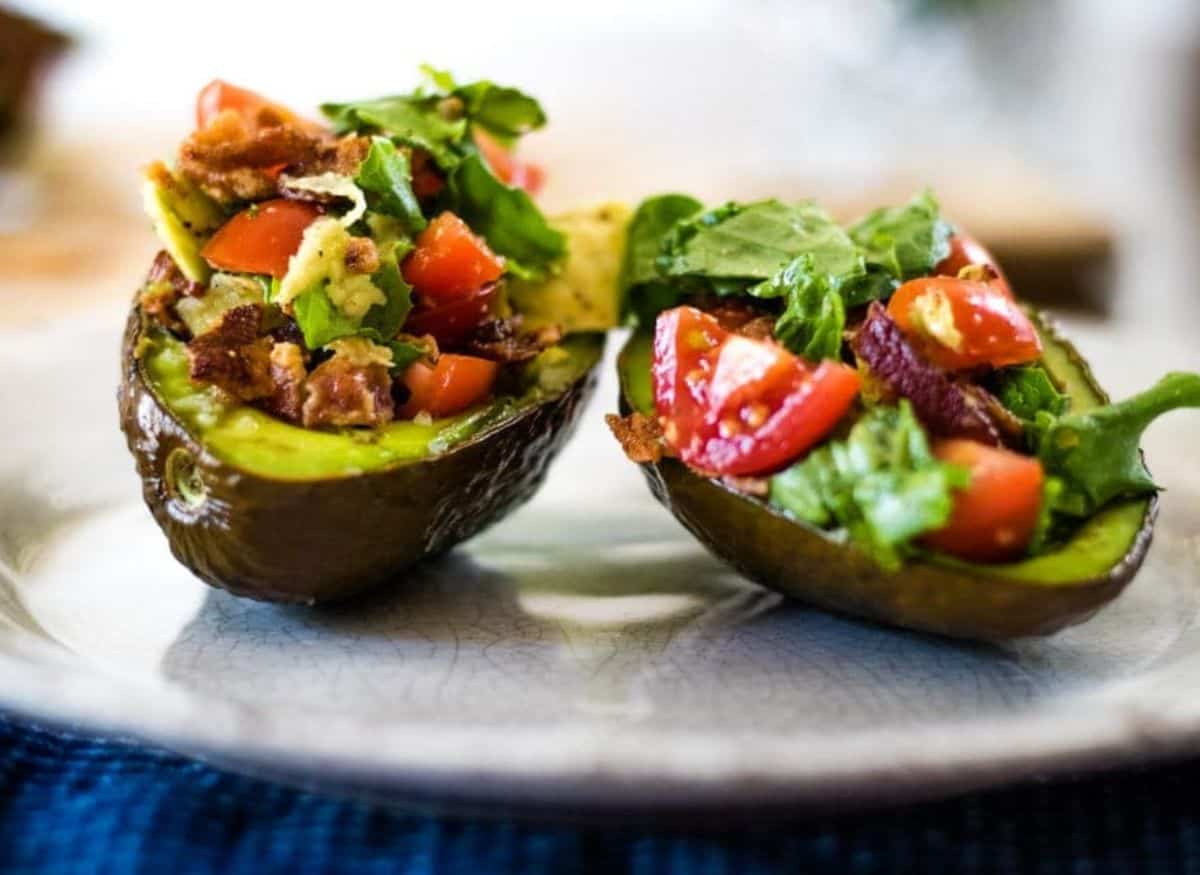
{"points": [[74, 804]]}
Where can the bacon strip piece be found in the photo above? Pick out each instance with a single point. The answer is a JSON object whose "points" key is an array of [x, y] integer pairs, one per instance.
{"points": [[946, 408]]}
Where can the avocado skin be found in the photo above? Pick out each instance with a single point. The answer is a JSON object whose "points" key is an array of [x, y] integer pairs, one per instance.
{"points": [[813, 566], [329, 539]]}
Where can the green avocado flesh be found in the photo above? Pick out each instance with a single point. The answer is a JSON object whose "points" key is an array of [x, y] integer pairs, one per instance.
{"points": [[258, 443], [938, 593]]}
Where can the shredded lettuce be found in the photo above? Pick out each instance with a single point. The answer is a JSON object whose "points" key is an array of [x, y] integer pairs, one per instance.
{"points": [[332, 184], [386, 177], [882, 485], [814, 317]]}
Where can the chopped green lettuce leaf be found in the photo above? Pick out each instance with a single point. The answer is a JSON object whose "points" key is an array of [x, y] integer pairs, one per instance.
{"points": [[319, 320], [814, 316], [882, 484], [752, 242], [1095, 452], [411, 119], [404, 353], [643, 292], [506, 217], [505, 113], [1027, 390], [904, 242], [386, 177]]}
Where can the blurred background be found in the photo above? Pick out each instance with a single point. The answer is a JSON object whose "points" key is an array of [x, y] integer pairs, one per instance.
{"points": [[1064, 133]]}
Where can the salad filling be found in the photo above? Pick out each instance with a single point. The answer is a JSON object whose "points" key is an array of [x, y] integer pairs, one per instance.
{"points": [[353, 272], [877, 381]]}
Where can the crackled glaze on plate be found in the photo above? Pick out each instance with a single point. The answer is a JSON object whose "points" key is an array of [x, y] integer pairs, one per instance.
{"points": [[586, 652]]}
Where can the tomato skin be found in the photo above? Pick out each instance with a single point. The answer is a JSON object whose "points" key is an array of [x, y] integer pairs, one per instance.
{"points": [[966, 250], [450, 386], [218, 96], [993, 329], [452, 322], [508, 168], [261, 238], [994, 518], [737, 406], [450, 261]]}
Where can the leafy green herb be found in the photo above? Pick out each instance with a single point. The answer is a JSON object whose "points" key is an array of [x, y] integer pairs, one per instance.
{"points": [[1095, 452], [752, 242], [411, 119], [512, 225], [1028, 390], [643, 291], [904, 242], [882, 484], [503, 112], [813, 319], [404, 353], [384, 320], [386, 177], [319, 320]]}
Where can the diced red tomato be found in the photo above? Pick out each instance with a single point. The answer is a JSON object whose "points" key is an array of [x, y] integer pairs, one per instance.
{"points": [[218, 96], [450, 386], [994, 518], [261, 238], [959, 324], [450, 261], [507, 167], [966, 250], [732, 405], [452, 321]]}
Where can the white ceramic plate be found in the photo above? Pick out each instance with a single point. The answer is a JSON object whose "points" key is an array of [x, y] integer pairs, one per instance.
{"points": [[584, 654]]}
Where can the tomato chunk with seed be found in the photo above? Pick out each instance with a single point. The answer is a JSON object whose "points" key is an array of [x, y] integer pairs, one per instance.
{"points": [[959, 324], [452, 321], [508, 168], [995, 516], [732, 405], [965, 251], [450, 386], [261, 238], [450, 261]]}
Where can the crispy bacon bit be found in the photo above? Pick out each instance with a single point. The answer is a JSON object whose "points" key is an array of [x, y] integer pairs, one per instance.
{"points": [[287, 373], [361, 255], [734, 314], [759, 328], [502, 340], [233, 357], [231, 160], [640, 436], [341, 156], [338, 392], [945, 407]]}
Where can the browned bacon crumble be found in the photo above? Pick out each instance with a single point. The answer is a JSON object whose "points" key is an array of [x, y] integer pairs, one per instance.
{"points": [[287, 375], [361, 255], [503, 340], [640, 436], [233, 357], [339, 393]]}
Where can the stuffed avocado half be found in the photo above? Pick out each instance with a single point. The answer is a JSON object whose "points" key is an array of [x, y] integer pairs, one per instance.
{"points": [[362, 342], [866, 419]]}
